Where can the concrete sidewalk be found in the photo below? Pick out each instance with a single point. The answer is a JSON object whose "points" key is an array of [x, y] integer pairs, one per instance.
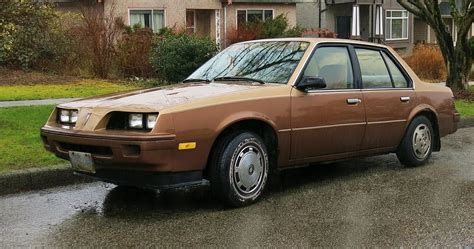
{"points": [[36, 102]]}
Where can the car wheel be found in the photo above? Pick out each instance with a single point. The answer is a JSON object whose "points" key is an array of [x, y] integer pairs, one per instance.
{"points": [[239, 169], [417, 145]]}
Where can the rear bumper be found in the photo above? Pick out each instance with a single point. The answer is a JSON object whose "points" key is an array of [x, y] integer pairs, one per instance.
{"points": [[137, 153]]}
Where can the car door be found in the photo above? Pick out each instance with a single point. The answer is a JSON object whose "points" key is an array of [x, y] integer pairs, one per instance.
{"points": [[330, 120], [388, 97]]}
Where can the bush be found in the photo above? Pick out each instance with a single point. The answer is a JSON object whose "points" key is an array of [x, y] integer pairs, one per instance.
{"points": [[427, 62], [271, 28], [175, 55], [133, 50], [320, 33], [30, 32]]}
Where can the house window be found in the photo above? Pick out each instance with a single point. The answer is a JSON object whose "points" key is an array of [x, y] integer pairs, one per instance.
{"points": [[396, 25], [244, 16], [190, 21], [154, 19]]}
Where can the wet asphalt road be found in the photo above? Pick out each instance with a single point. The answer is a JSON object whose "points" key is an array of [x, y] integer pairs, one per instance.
{"points": [[364, 202]]}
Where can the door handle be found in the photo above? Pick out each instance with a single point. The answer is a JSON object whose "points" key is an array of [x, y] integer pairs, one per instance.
{"points": [[404, 99], [353, 101]]}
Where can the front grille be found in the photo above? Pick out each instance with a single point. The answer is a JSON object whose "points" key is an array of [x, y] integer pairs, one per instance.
{"points": [[95, 150]]}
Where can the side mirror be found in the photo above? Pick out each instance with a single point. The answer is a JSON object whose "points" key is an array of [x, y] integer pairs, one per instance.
{"points": [[308, 82]]}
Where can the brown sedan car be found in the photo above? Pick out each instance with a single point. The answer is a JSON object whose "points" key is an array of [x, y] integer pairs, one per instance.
{"points": [[256, 107]]}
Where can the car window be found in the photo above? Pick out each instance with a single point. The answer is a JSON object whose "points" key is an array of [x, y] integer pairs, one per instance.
{"points": [[373, 70], [334, 65], [398, 78]]}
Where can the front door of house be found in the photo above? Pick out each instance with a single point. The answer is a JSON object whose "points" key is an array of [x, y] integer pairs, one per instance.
{"points": [[343, 27]]}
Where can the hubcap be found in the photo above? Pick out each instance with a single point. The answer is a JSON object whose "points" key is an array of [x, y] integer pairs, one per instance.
{"points": [[421, 141], [248, 170]]}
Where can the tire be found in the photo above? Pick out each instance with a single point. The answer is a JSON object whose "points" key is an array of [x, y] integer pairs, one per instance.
{"points": [[239, 169], [417, 144]]}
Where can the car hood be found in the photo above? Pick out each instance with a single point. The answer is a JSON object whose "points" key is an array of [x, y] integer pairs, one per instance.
{"points": [[156, 99]]}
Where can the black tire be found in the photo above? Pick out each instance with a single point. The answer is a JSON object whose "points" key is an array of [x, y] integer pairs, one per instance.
{"points": [[417, 144], [240, 159]]}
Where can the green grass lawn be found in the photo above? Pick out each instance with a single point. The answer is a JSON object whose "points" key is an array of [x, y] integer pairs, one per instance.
{"points": [[83, 88], [20, 142], [465, 108]]}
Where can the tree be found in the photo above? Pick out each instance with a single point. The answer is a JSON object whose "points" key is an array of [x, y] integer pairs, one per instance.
{"points": [[100, 32], [457, 57]]}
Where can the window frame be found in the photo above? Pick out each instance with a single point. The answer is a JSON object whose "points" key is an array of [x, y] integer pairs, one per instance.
{"points": [[389, 20], [246, 14], [355, 69], [186, 20], [394, 60], [152, 19]]}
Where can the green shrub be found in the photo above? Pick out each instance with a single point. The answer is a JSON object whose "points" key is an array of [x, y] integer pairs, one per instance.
{"points": [[175, 55], [29, 33]]}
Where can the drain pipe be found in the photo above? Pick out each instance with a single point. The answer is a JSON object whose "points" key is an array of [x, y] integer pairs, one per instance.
{"points": [[225, 26]]}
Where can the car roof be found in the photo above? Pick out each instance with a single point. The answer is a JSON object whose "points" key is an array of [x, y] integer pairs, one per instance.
{"points": [[320, 40]]}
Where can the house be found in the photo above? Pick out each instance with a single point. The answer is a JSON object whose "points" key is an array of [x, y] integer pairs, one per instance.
{"points": [[213, 18], [383, 21]]}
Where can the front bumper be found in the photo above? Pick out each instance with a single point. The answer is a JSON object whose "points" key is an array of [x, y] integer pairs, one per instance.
{"points": [[115, 152]]}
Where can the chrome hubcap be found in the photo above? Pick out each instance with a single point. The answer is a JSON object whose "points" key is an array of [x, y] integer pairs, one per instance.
{"points": [[248, 170], [421, 141]]}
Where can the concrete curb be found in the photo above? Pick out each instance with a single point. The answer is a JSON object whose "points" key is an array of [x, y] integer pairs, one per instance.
{"points": [[466, 122], [60, 175], [39, 178]]}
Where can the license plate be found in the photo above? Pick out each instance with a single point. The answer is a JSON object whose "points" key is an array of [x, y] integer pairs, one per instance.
{"points": [[81, 161]]}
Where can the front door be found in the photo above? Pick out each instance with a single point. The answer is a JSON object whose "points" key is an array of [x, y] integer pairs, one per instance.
{"points": [[330, 120], [388, 98], [343, 27]]}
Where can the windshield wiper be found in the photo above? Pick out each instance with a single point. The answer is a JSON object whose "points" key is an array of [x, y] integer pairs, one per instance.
{"points": [[196, 80], [238, 78]]}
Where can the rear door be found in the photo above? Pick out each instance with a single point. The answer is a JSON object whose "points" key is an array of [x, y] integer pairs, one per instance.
{"points": [[331, 120], [388, 96]]}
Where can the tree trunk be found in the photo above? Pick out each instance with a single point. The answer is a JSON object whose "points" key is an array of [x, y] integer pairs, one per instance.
{"points": [[458, 70]]}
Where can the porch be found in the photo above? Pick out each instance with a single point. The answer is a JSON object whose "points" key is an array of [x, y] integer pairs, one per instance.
{"points": [[357, 19]]}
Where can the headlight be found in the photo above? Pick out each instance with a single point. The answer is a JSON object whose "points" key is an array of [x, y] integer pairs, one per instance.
{"points": [[66, 116], [151, 120], [135, 121]]}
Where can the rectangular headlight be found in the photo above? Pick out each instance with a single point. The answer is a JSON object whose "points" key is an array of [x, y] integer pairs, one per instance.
{"points": [[151, 121], [67, 116], [74, 115], [135, 120], [64, 116]]}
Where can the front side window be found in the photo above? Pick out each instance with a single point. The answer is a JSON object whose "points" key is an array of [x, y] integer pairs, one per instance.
{"points": [[272, 62], [333, 64], [154, 19], [245, 16], [396, 25]]}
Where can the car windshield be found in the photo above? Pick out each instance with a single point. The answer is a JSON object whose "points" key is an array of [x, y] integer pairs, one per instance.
{"points": [[266, 61]]}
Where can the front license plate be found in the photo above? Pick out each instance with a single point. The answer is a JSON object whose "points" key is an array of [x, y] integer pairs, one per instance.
{"points": [[81, 161]]}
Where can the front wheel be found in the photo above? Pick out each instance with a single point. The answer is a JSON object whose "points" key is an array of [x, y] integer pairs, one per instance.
{"points": [[239, 169], [417, 145]]}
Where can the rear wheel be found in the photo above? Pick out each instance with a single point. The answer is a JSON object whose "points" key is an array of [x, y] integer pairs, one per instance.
{"points": [[417, 145], [239, 168]]}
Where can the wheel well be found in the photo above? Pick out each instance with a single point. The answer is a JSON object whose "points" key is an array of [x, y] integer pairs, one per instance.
{"points": [[434, 122], [261, 128]]}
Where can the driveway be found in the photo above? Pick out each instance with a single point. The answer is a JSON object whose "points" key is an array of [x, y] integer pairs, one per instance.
{"points": [[364, 202]]}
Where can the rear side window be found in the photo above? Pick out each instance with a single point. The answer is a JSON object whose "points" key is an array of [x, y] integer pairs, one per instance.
{"points": [[399, 80], [373, 70], [334, 65]]}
